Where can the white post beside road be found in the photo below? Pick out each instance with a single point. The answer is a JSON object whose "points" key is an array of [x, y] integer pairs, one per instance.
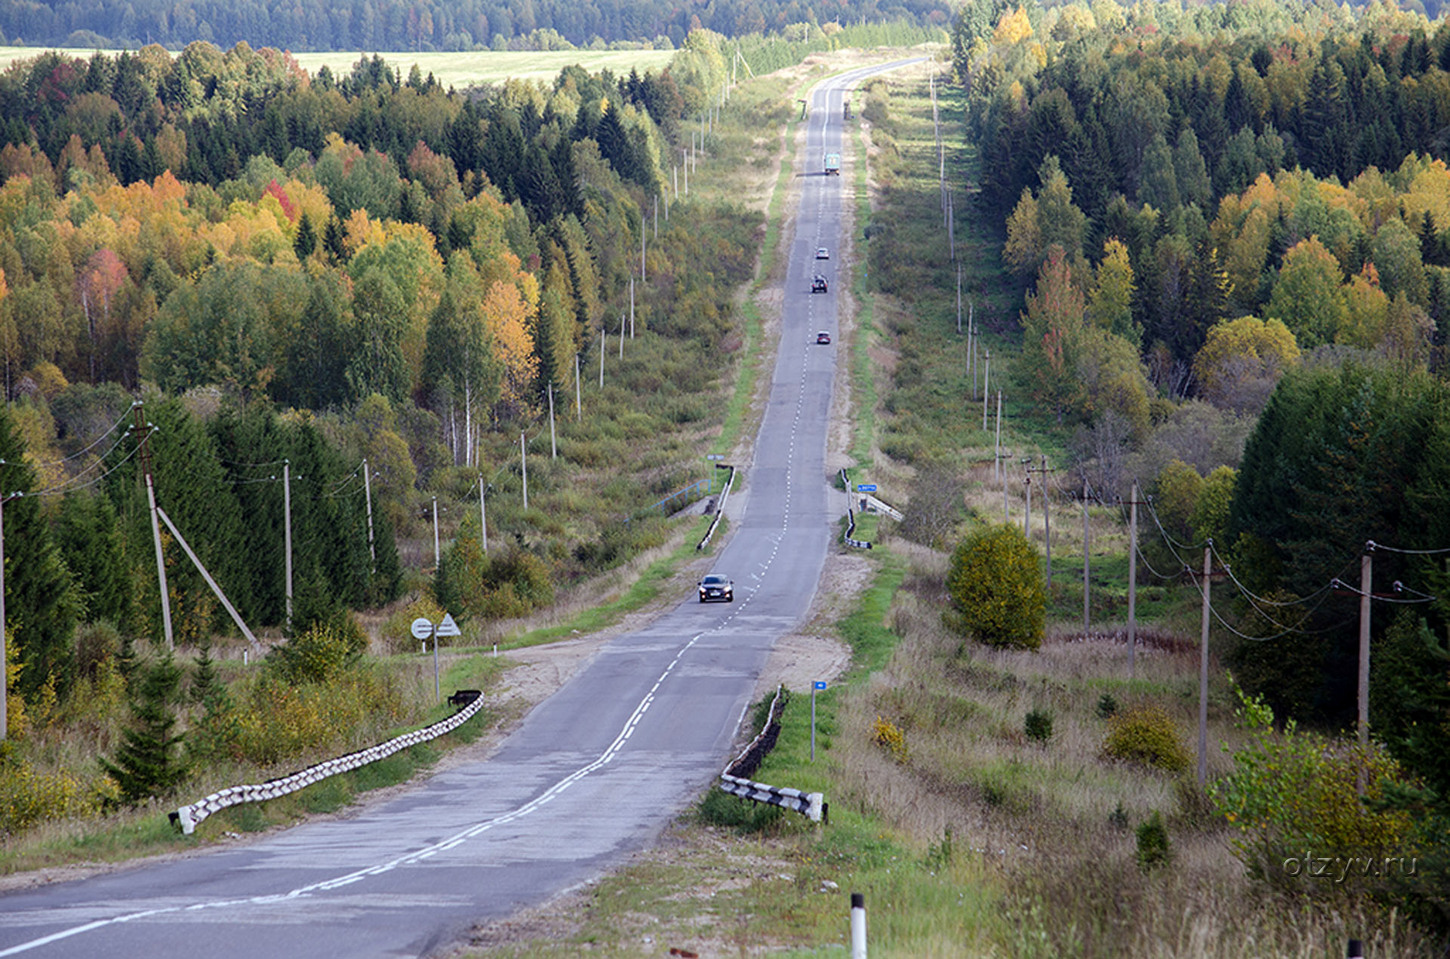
{"points": [[858, 926]]}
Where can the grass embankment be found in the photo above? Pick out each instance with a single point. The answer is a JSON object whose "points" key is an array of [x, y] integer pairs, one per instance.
{"points": [[971, 828]]}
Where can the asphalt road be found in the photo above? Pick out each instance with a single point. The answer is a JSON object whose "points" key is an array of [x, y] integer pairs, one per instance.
{"points": [[592, 773]]}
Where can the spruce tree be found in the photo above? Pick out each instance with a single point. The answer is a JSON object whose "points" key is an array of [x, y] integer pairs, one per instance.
{"points": [[148, 762], [41, 601]]}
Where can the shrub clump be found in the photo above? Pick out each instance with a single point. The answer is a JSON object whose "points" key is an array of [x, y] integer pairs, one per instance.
{"points": [[891, 738], [1294, 793], [1038, 725], [28, 796], [995, 583], [318, 653], [1146, 735], [1153, 848]]}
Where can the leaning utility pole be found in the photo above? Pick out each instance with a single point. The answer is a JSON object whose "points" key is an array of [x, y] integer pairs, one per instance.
{"points": [[143, 434]]}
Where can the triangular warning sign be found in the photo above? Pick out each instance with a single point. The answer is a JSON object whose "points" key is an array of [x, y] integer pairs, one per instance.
{"points": [[448, 627]]}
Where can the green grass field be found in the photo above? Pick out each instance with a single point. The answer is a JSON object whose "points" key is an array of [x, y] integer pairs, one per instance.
{"points": [[455, 69]]}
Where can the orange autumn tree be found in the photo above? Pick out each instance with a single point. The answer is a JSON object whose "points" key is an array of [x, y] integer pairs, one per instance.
{"points": [[507, 316]]}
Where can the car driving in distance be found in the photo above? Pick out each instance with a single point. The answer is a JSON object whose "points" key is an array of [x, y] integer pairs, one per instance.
{"points": [[822, 253], [823, 338], [818, 284], [717, 587]]}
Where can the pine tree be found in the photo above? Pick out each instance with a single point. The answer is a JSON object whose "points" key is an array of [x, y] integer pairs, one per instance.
{"points": [[148, 762]]}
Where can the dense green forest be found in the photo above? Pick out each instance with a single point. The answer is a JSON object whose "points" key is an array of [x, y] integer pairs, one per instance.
{"points": [[1229, 221], [431, 25]]}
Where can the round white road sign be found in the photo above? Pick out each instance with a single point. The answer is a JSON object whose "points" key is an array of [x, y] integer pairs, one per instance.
{"points": [[422, 628]]}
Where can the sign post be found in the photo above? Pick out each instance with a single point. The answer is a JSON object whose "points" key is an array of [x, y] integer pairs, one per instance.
{"points": [[817, 685], [446, 628], [423, 629]]}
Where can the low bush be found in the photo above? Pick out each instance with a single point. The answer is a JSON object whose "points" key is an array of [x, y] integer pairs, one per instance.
{"points": [[890, 737], [1146, 735], [1038, 725], [1295, 794], [276, 722], [1153, 847], [28, 797], [316, 654]]}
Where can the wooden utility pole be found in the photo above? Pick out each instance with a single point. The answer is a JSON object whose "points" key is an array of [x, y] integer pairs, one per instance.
{"points": [[524, 466], [287, 535], [986, 375], [368, 495], [437, 556], [1027, 497], [1133, 581], [553, 442], [4, 673], [1086, 596], [1366, 584], [578, 396], [1046, 511], [1203, 671], [482, 515], [143, 434]]}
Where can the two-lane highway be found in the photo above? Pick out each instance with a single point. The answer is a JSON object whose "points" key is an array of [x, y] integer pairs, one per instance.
{"points": [[592, 773]]}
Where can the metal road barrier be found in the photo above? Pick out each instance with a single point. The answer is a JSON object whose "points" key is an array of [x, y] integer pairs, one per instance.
{"points": [[719, 510], [857, 543], [734, 779], [188, 816]]}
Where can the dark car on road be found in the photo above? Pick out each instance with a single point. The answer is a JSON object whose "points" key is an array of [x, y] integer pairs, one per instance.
{"points": [[823, 338], [717, 587], [818, 284]]}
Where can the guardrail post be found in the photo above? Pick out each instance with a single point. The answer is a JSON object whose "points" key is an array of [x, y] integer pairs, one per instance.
{"points": [[1356, 950], [858, 926]]}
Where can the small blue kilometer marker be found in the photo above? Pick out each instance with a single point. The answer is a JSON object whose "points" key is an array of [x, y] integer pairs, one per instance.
{"points": [[818, 684]]}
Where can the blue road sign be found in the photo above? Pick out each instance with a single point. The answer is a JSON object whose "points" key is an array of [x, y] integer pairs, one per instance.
{"points": [[820, 684], [865, 487]]}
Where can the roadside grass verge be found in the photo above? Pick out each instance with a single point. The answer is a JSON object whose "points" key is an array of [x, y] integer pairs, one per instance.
{"points": [[130, 833]]}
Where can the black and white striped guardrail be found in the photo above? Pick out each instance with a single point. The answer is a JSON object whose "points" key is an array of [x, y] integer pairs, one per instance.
{"points": [[851, 528], [810, 805], [734, 779], [188, 816], [719, 510]]}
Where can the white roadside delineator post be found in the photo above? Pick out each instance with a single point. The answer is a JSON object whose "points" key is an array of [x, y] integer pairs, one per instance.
{"points": [[858, 926]]}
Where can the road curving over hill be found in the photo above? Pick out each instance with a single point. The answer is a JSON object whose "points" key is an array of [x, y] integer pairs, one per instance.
{"points": [[592, 773]]}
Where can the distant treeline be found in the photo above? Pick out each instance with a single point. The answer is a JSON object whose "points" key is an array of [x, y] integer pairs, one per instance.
{"points": [[428, 24]]}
